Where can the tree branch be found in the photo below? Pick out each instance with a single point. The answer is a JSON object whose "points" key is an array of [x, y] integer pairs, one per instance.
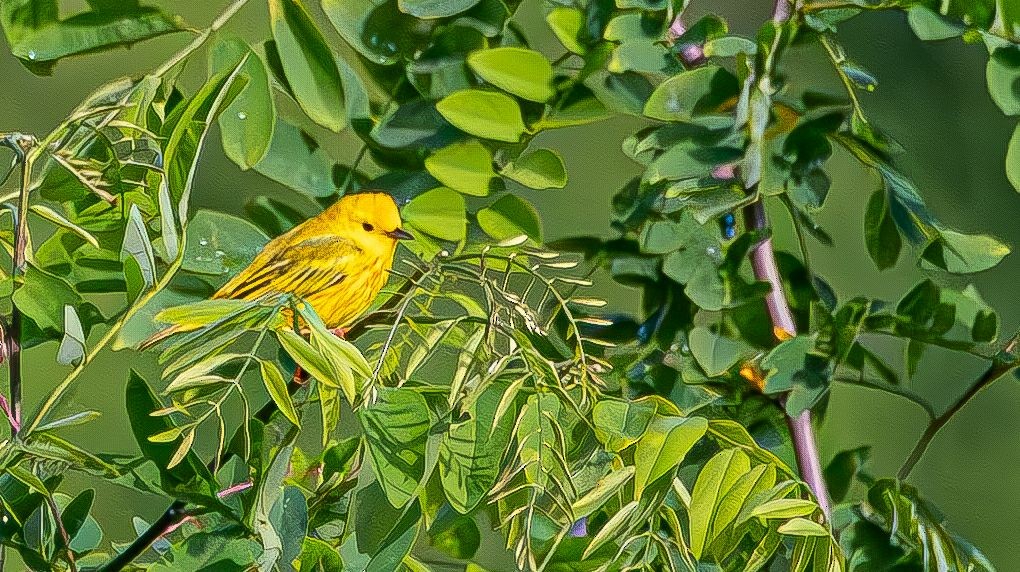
{"points": [[763, 262], [994, 372]]}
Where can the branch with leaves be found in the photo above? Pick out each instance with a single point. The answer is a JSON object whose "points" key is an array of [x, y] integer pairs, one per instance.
{"points": [[487, 394]]}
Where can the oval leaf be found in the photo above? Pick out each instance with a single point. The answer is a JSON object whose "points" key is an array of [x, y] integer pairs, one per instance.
{"points": [[484, 114], [522, 72], [464, 167], [308, 63]]}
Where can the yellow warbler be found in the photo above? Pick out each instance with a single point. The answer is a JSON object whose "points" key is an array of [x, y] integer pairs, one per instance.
{"points": [[337, 261]]}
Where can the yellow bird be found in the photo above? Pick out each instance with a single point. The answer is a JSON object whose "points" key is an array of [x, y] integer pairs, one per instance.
{"points": [[337, 261]]}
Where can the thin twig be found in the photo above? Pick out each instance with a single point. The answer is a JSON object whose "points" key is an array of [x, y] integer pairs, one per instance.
{"points": [[991, 375], [891, 389], [177, 511], [57, 394], [69, 554], [24, 146], [202, 37]]}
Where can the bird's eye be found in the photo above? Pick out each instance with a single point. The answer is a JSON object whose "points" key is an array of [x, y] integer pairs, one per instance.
{"points": [[368, 227]]}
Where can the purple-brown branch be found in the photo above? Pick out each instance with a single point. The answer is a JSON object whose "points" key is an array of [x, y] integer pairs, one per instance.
{"points": [[763, 262]]}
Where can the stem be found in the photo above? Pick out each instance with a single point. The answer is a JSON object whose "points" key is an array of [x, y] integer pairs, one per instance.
{"points": [[110, 334], [24, 146], [991, 375], [202, 37], [167, 520], [763, 262], [892, 390], [69, 554]]}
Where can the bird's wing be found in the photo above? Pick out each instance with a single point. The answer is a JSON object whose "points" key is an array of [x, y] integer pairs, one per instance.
{"points": [[303, 268]]}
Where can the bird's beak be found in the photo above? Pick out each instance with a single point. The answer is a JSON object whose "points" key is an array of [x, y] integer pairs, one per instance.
{"points": [[400, 234]]}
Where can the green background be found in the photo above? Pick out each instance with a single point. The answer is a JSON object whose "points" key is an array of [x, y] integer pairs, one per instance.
{"points": [[931, 97]]}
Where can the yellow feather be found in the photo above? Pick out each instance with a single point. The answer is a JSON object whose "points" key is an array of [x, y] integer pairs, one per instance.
{"points": [[338, 261]]}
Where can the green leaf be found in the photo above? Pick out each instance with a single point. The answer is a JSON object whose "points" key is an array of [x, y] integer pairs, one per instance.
{"points": [[440, 213], [729, 46], [608, 487], [715, 480], [397, 545], [349, 365], [1013, 159], [880, 234], [72, 345], [691, 93], [714, 353], [802, 527], [59, 220], [76, 514], [246, 125], [318, 555], [308, 63], [189, 478], [538, 169], [567, 23], [454, 534], [785, 363], [221, 245], [537, 429], [277, 388], [485, 114], [520, 71], [226, 550], [39, 38], [1003, 73], [931, 26], [430, 9], [185, 130], [619, 424], [841, 470], [784, 509], [614, 527], [464, 167], [138, 247], [470, 452], [266, 514], [295, 161], [377, 30], [510, 217], [757, 481], [663, 446], [960, 253], [396, 430]]}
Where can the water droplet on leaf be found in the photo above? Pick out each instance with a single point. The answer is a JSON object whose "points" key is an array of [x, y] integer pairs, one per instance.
{"points": [[31, 54], [242, 115]]}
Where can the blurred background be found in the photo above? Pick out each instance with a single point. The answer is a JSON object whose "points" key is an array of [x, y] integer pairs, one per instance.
{"points": [[931, 98]]}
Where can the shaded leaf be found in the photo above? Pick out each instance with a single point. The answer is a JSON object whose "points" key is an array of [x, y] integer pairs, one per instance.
{"points": [[308, 63]]}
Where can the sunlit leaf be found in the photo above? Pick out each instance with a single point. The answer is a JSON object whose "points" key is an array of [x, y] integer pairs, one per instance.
{"points": [[522, 72], [464, 167], [485, 114]]}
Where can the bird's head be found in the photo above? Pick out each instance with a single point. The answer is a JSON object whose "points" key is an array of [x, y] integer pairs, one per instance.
{"points": [[372, 220]]}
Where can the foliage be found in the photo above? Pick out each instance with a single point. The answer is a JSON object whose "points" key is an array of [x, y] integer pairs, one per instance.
{"points": [[486, 390]]}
